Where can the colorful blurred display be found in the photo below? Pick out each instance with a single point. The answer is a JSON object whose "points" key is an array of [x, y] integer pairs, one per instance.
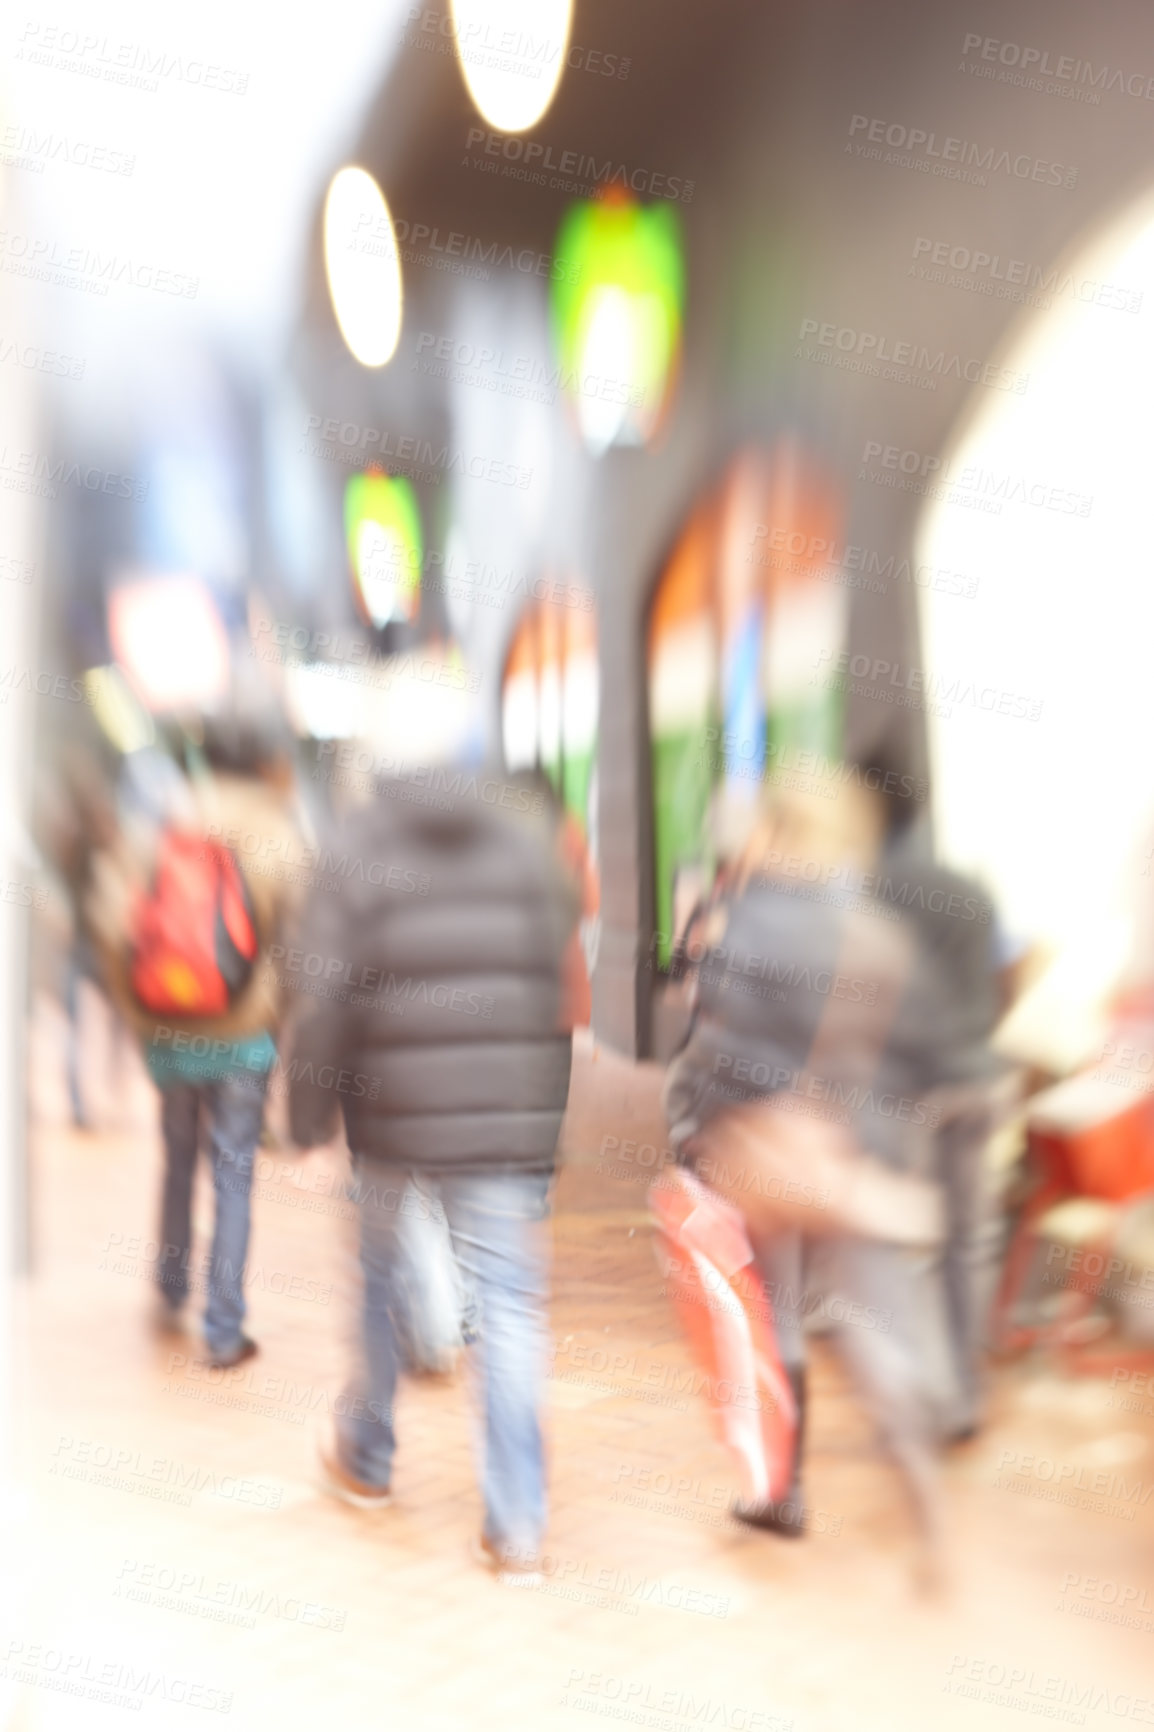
{"points": [[617, 314], [383, 537], [743, 629], [549, 702]]}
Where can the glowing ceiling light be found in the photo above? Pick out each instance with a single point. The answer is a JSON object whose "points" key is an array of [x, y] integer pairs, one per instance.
{"points": [[383, 534], [617, 315], [363, 264], [512, 55]]}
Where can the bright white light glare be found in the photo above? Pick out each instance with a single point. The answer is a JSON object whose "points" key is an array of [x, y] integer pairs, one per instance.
{"points": [[412, 720], [608, 353], [1064, 1016], [512, 55], [1039, 693], [519, 720], [580, 704], [380, 556], [169, 639], [321, 704], [549, 714], [363, 264]]}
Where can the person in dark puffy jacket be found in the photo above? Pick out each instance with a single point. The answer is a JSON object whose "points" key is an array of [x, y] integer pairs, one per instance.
{"points": [[431, 1015]]}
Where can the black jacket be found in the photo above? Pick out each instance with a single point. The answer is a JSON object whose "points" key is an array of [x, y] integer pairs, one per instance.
{"points": [[430, 979]]}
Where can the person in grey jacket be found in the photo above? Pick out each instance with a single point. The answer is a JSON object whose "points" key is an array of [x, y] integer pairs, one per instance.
{"points": [[803, 983], [949, 1015], [430, 987]]}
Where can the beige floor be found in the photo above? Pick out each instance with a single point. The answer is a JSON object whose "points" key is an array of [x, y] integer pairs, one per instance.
{"points": [[174, 1541]]}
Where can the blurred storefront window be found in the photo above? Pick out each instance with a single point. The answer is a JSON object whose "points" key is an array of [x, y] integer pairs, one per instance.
{"points": [[549, 702], [744, 630]]}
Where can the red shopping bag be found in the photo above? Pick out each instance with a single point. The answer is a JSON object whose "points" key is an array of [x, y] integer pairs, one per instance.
{"points": [[728, 1321]]}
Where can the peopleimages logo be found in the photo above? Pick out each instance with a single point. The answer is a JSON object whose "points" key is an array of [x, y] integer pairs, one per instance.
{"points": [[571, 168], [349, 442], [952, 158], [1042, 1693], [648, 1704], [136, 64], [115, 1683], [1009, 279], [36, 472], [452, 249], [491, 368], [890, 682], [788, 549], [480, 42], [24, 147], [779, 1080], [923, 472], [906, 359], [47, 260], [1038, 63], [37, 360]]}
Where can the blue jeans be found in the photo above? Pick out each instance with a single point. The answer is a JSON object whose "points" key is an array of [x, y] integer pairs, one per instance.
{"points": [[494, 1220], [234, 1107]]}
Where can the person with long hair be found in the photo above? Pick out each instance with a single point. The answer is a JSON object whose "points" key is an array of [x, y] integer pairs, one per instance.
{"points": [[790, 1086]]}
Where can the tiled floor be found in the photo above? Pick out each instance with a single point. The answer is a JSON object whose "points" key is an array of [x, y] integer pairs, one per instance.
{"points": [[175, 1546]]}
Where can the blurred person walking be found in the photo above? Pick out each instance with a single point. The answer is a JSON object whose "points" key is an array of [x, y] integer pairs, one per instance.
{"points": [[954, 1002], [790, 1101], [187, 916], [75, 821], [448, 1050]]}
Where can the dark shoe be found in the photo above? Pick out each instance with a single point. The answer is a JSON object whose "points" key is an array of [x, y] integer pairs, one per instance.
{"points": [[787, 1515], [786, 1518], [340, 1483], [245, 1348]]}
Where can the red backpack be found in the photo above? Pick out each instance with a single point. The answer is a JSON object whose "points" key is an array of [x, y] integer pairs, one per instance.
{"points": [[194, 943]]}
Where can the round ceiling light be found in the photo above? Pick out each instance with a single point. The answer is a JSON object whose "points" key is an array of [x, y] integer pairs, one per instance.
{"points": [[512, 55], [363, 265]]}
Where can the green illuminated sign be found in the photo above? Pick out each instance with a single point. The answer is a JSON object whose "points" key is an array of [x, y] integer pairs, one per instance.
{"points": [[383, 536]]}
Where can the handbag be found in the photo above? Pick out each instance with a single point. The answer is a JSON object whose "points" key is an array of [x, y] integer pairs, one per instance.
{"points": [[784, 1171], [723, 1308]]}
